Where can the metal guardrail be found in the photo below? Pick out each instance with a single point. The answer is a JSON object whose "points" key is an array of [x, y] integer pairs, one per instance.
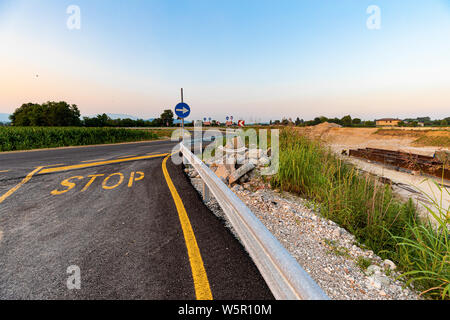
{"points": [[284, 276]]}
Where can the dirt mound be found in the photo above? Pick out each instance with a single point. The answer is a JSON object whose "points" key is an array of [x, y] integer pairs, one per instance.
{"points": [[320, 129], [327, 125]]}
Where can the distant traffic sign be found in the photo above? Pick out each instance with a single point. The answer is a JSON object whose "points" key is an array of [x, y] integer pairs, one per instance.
{"points": [[182, 110]]}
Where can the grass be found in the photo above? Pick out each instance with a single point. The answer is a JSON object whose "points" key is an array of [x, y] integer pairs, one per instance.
{"points": [[363, 263], [424, 251], [368, 209], [436, 141], [27, 138], [335, 249]]}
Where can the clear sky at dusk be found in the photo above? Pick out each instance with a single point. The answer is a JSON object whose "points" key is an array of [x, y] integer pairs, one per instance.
{"points": [[254, 59]]}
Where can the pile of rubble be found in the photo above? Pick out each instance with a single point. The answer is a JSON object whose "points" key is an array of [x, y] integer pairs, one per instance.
{"points": [[235, 163]]}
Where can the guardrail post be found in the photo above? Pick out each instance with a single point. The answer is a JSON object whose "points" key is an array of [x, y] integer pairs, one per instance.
{"points": [[206, 196]]}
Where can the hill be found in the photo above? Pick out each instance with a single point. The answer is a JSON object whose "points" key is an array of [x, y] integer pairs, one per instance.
{"points": [[4, 117]]}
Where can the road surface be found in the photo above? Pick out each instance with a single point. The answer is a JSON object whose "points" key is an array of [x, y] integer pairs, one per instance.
{"points": [[117, 222]]}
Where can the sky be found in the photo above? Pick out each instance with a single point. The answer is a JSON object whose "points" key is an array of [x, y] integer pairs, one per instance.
{"points": [[252, 59]]}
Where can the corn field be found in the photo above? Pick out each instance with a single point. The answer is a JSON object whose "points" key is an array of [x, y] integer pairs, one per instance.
{"points": [[27, 138]]}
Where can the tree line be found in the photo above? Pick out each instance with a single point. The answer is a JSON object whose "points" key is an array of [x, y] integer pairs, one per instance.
{"points": [[348, 121], [62, 114], [426, 121]]}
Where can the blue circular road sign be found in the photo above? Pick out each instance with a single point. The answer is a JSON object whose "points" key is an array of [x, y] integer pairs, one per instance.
{"points": [[182, 110]]}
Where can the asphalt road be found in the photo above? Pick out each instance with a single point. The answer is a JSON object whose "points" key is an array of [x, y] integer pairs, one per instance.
{"points": [[108, 212]]}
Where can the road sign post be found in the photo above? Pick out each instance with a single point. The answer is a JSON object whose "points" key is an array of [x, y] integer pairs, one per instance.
{"points": [[182, 110], [182, 119]]}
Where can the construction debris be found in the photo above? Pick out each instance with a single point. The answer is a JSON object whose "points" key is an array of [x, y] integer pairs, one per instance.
{"points": [[414, 163], [240, 172], [443, 156], [235, 162]]}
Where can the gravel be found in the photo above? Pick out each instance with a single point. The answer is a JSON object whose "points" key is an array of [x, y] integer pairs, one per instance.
{"points": [[326, 251]]}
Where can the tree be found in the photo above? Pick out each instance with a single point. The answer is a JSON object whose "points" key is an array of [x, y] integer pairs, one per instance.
{"points": [[61, 114], [335, 120], [48, 114], [347, 121], [370, 123], [298, 121], [99, 121], [316, 121], [167, 118], [323, 119], [356, 121]]}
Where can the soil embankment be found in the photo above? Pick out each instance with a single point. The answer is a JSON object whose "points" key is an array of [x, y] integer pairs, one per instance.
{"points": [[423, 141]]}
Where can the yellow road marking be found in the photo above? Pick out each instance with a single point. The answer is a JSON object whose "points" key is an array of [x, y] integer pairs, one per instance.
{"points": [[96, 160], [201, 283], [25, 180], [93, 164], [68, 184], [93, 177], [3, 171], [105, 182], [133, 179]]}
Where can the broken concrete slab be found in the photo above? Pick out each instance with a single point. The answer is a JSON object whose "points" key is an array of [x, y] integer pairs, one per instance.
{"points": [[240, 172], [264, 161], [222, 172]]}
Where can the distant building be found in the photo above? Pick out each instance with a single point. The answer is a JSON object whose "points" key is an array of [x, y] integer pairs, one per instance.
{"points": [[388, 122]]}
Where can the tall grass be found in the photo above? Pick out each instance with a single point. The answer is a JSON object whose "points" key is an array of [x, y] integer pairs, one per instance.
{"points": [[360, 204], [424, 251], [26, 138]]}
